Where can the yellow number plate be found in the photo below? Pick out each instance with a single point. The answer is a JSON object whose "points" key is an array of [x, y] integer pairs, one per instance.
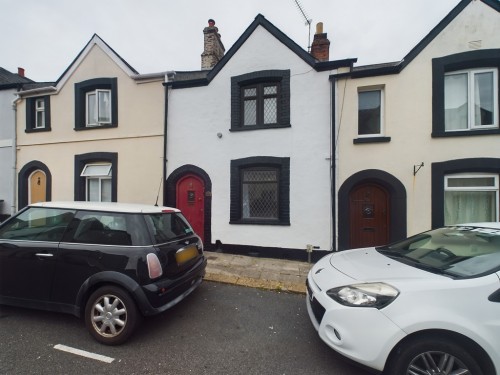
{"points": [[188, 253]]}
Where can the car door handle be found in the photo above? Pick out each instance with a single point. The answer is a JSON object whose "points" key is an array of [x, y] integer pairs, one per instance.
{"points": [[44, 255]]}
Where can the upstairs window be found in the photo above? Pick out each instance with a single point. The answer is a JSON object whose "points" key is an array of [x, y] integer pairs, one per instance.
{"points": [[96, 104], [260, 100], [370, 113], [471, 99], [98, 108], [38, 114], [465, 97], [260, 104]]}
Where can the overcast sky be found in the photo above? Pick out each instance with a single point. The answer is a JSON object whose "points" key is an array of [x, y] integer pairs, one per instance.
{"points": [[45, 36]]}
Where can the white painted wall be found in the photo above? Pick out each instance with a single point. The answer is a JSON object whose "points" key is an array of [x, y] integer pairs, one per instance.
{"points": [[196, 115]]}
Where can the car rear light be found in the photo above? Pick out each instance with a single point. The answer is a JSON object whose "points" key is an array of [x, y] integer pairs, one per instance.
{"points": [[154, 266]]}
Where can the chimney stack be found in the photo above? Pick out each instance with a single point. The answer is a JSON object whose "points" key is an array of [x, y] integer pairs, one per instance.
{"points": [[20, 72], [320, 48], [213, 48]]}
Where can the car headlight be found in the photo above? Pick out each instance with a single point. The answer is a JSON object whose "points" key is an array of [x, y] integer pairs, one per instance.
{"points": [[376, 295]]}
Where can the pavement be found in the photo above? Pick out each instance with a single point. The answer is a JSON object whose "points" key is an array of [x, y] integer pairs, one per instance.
{"points": [[256, 272]]}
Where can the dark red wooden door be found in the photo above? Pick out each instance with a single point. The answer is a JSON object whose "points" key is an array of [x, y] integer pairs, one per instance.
{"points": [[369, 216], [191, 201]]}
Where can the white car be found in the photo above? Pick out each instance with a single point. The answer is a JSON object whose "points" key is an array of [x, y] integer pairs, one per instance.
{"points": [[429, 304]]}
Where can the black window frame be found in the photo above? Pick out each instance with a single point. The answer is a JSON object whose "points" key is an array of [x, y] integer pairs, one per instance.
{"points": [[80, 192], [445, 168], [488, 58], [260, 162], [31, 114], [280, 78], [81, 90]]}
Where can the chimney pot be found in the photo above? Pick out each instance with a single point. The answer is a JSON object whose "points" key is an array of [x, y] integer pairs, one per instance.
{"points": [[213, 49], [20, 72], [319, 28], [320, 48]]}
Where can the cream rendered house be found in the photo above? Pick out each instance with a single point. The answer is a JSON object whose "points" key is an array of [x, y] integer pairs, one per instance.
{"points": [[418, 140], [97, 134]]}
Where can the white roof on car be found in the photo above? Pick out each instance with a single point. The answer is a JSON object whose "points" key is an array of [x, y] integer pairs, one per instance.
{"points": [[491, 225], [107, 206]]}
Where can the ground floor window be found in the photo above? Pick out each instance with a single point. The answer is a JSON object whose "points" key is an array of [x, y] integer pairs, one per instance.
{"points": [[470, 198], [97, 182], [260, 191]]}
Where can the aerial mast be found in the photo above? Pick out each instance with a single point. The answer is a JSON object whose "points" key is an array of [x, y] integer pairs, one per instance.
{"points": [[308, 21]]}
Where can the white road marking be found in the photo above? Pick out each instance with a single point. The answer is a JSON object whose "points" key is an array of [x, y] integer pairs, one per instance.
{"points": [[83, 353]]}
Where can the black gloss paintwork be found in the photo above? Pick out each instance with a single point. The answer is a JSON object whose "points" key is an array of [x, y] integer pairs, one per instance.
{"points": [[67, 273]]}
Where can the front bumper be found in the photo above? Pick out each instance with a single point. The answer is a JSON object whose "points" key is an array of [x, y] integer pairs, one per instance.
{"points": [[364, 335]]}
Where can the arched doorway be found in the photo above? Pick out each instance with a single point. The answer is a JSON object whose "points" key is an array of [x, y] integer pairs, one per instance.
{"points": [[29, 189], [396, 205], [190, 199], [37, 187], [369, 215]]}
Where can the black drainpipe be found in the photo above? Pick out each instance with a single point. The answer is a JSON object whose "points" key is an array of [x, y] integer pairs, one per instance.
{"points": [[167, 85], [333, 162]]}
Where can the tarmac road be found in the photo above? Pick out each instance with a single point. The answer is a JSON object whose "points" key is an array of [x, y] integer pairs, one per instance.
{"points": [[219, 329]]}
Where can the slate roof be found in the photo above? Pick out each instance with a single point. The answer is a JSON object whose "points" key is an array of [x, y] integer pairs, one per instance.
{"points": [[10, 80], [397, 67]]}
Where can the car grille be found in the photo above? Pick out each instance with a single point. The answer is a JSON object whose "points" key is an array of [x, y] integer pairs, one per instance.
{"points": [[317, 309]]}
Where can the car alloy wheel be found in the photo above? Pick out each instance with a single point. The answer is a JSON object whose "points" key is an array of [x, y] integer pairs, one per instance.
{"points": [[433, 355], [437, 363], [110, 315]]}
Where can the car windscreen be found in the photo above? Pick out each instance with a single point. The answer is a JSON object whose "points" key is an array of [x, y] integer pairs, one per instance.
{"points": [[458, 251], [168, 226]]}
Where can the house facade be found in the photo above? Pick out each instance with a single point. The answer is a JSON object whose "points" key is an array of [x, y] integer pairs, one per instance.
{"points": [[418, 140], [249, 145], [271, 150], [96, 134]]}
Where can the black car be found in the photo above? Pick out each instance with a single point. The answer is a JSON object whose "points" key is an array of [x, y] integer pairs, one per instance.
{"points": [[109, 262]]}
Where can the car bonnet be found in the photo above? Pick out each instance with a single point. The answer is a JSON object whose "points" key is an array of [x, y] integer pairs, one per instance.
{"points": [[367, 264]]}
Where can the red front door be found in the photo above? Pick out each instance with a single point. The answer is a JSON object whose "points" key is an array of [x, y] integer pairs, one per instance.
{"points": [[191, 201], [369, 216]]}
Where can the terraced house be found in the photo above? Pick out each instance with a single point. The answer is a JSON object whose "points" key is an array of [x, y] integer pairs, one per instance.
{"points": [[272, 150], [418, 138], [95, 134]]}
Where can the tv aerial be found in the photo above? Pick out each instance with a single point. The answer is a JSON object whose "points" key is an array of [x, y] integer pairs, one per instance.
{"points": [[307, 20]]}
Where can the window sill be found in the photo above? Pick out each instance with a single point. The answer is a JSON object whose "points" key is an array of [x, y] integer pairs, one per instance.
{"points": [[258, 127], [465, 133], [259, 222], [38, 130], [96, 127], [371, 140]]}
